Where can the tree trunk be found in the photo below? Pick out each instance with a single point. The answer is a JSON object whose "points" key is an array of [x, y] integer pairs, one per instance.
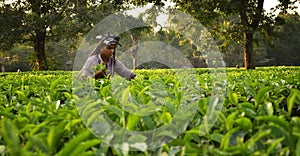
{"points": [[134, 50], [40, 35], [251, 23], [39, 49], [248, 51]]}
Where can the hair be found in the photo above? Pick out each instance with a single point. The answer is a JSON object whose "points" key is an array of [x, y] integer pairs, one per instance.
{"points": [[98, 48]]}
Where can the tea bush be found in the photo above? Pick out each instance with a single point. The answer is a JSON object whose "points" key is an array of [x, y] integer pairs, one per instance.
{"points": [[40, 114]]}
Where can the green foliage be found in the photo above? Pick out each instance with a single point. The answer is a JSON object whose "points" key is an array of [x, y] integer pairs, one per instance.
{"points": [[260, 114], [284, 49], [32, 22]]}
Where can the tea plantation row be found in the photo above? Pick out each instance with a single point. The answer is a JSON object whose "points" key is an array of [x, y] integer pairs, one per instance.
{"points": [[203, 112]]}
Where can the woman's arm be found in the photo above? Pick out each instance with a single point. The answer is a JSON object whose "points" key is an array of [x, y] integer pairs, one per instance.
{"points": [[121, 70], [88, 68]]}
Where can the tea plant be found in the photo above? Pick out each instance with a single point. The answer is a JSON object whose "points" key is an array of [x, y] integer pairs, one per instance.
{"points": [[43, 113]]}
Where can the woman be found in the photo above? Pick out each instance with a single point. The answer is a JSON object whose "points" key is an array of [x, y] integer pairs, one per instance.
{"points": [[104, 54]]}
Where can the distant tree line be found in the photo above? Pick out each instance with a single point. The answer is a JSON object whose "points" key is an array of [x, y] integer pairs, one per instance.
{"points": [[45, 35]]}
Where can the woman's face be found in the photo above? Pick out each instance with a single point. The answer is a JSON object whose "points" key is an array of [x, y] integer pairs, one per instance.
{"points": [[108, 51]]}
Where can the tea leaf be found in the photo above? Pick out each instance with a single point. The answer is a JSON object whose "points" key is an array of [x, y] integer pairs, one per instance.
{"points": [[244, 123], [292, 99], [230, 120], [93, 116], [217, 137], [279, 121], [256, 137], [260, 96], [273, 145], [75, 143], [233, 97], [83, 146], [137, 139], [226, 138], [166, 117], [297, 148], [39, 143], [11, 138], [149, 122], [132, 120], [54, 84], [55, 133]]}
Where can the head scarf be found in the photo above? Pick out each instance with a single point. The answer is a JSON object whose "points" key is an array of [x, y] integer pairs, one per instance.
{"points": [[105, 40]]}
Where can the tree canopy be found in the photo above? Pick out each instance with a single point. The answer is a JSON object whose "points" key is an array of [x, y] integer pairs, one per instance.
{"points": [[237, 26], [33, 21]]}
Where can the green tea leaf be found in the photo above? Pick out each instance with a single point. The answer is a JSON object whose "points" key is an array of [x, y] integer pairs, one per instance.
{"points": [[249, 89], [114, 109], [21, 94], [167, 133], [149, 122], [233, 97], [292, 99], [143, 91], [83, 146], [56, 133], [274, 119], [11, 138], [95, 115], [38, 127], [131, 107], [247, 105], [125, 96], [279, 132], [260, 96], [74, 143], [295, 121], [132, 120], [216, 137], [203, 106], [249, 113], [297, 148], [226, 139], [273, 145], [230, 120], [54, 84], [71, 124], [166, 117], [269, 108], [244, 123], [137, 139], [2, 149], [256, 137], [39, 143]]}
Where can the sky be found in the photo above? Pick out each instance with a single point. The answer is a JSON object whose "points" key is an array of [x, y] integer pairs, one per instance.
{"points": [[268, 4]]}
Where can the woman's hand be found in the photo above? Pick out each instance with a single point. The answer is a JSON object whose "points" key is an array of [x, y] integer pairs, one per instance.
{"points": [[100, 74], [132, 76]]}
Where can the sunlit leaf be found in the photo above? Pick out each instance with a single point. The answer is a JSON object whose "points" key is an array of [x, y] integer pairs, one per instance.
{"points": [[260, 96], [166, 117], [292, 99], [132, 120], [244, 123], [233, 97]]}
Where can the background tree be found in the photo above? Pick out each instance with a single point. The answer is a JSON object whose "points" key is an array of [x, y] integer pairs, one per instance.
{"points": [[285, 49], [55, 28], [34, 21], [252, 19]]}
